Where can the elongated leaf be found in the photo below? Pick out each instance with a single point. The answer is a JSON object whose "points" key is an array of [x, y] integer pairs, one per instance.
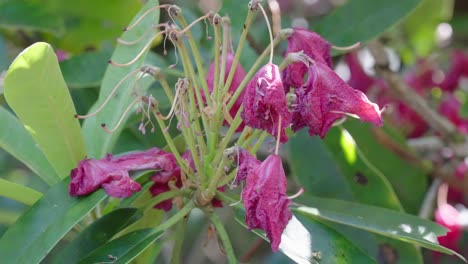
{"points": [[306, 241], [362, 20], [97, 141], [381, 221], [16, 140], [36, 232], [85, 70], [117, 250], [36, 91], [19, 192], [29, 16], [410, 183], [97, 234]]}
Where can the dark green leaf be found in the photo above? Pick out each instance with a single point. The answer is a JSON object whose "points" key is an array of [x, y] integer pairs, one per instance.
{"points": [[121, 250], [29, 16], [15, 140], [377, 220], [36, 91], [97, 234], [362, 20], [97, 141], [37, 231], [85, 70]]}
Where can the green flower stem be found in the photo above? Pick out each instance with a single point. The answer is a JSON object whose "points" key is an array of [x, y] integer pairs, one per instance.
{"points": [[243, 142], [163, 197], [171, 145], [240, 47], [259, 142], [217, 39], [226, 37], [198, 60], [175, 218], [229, 178], [167, 88], [284, 33], [227, 198], [178, 240], [214, 218], [190, 73]]}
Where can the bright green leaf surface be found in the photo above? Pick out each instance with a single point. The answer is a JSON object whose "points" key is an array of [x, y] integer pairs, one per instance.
{"points": [[97, 141], [97, 234], [19, 192], [29, 16], [37, 231], [362, 20], [306, 241], [36, 91], [85, 70], [381, 221], [15, 140]]}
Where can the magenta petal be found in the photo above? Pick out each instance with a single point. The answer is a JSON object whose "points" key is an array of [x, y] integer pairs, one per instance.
{"points": [[358, 77], [265, 200], [120, 185], [314, 46], [88, 176], [265, 102], [246, 164], [325, 98]]}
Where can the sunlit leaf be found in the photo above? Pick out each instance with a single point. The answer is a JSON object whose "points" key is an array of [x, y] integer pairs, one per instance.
{"points": [[19, 192]]}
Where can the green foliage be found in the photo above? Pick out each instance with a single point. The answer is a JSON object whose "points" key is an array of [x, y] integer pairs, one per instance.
{"points": [[36, 91], [19, 192]]}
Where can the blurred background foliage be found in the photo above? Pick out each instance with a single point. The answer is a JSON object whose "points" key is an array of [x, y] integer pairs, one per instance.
{"points": [[349, 164]]}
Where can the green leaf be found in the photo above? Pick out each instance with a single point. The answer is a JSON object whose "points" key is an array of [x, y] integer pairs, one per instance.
{"points": [[306, 241], [40, 228], [362, 20], [36, 91], [19, 192], [122, 249], [85, 70], [16, 140], [410, 183], [97, 234], [28, 16], [377, 220], [97, 141]]}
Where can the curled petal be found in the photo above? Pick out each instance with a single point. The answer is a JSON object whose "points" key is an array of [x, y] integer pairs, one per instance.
{"points": [[265, 102], [120, 185], [325, 98], [265, 199]]}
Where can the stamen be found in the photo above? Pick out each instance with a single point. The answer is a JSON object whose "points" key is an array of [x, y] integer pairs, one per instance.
{"points": [[442, 194], [129, 43], [278, 136], [145, 14], [109, 96], [299, 193], [269, 31], [194, 23], [139, 54], [110, 131], [276, 15], [348, 48]]}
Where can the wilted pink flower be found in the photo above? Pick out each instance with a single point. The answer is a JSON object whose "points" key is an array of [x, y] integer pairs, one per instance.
{"points": [[112, 173], [421, 77], [447, 216], [245, 164], [325, 98], [458, 68], [265, 102], [239, 75], [314, 46], [265, 200], [450, 108], [358, 77]]}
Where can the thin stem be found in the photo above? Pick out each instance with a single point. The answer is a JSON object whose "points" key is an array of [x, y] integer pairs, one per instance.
{"points": [[145, 49], [133, 42], [163, 197], [259, 142], [246, 142], [176, 217], [198, 60], [221, 231], [122, 118], [217, 40], [428, 203], [166, 88], [145, 14], [179, 240], [269, 31], [349, 48]]}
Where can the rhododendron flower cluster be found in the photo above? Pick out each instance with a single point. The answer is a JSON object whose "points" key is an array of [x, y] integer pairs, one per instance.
{"points": [[246, 103]]}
